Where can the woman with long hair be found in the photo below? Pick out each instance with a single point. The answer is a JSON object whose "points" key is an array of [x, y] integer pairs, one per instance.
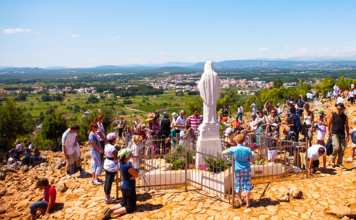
{"points": [[101, 132], [96, 150]]}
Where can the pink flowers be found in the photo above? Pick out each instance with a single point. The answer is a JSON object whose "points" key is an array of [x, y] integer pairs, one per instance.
{"points": [[191, 166], [202, 167]]}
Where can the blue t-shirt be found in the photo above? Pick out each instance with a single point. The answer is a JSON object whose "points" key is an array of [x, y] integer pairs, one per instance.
{"points": [[127, 183], [353, 137], [329, 94], [94, 138], [242, 156]]}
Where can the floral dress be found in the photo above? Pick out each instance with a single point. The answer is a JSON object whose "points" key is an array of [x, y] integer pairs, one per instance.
{"points": [[260, 129]]}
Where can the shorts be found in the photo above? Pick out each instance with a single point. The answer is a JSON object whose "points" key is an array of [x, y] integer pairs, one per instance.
{"points": [[38, 205], [72, 158], [315, 164], [321, 135], [243, 180], [352, 99]]}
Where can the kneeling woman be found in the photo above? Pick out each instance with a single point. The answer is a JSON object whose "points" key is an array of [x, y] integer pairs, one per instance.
{"points": [[111, 166], [242, 157], [128, 187]]}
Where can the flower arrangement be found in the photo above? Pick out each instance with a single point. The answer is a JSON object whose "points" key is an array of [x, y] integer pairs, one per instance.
{"points": [[202, 167]]}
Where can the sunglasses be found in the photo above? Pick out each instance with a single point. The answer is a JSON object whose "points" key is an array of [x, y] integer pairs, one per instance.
{"points": [[339, 109]]}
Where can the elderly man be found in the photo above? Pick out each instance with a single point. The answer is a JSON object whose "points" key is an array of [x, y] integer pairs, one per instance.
{"points": [[314, 153]]}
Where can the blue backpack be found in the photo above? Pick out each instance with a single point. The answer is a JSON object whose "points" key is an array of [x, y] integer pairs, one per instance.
{"points": [[353, 137]]}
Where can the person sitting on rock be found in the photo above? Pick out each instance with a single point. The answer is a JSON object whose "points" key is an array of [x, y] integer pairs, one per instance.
{"points": [[11, 159], [49, 199], [229, 138], [27, 156], [37, 155], [128, 187], [314, 153]]}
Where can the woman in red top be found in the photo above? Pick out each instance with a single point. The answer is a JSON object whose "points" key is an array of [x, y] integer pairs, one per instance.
{"points": [[49, 199]]}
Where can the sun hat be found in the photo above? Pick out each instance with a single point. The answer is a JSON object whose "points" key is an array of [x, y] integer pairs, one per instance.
{"points": [[239, 138], [150, 117], [238, 124], [274, 125], [278, 104], [110, 136], [124, 153], [228, 130], [320, 112], [174, 115]]}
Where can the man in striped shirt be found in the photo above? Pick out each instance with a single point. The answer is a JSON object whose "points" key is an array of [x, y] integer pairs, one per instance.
{"points": [[195, 120]]}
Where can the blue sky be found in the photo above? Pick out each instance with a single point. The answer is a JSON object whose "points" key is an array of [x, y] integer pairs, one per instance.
{"points": [[92, 33]]}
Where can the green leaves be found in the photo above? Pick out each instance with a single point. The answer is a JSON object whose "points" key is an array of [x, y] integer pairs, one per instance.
{"points": [[53, 126], [13, 123]]}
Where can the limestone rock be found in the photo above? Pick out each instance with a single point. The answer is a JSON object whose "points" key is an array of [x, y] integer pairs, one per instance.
{"points": [[345, 218], [283, 194], [61, 186], [59, 163], [342, 211], [2, 176], [87, 155], [24, 168], [2, 193], [17, 165], [295, 192]]}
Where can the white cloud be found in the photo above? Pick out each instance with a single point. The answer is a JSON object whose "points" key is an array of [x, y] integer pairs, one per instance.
{"points": [[15, 30], [162, 53], [74, 35], [263, 49], [326, 51], [286, 48], [116, 37], [192, 58], [96, 59], [37, 32]]}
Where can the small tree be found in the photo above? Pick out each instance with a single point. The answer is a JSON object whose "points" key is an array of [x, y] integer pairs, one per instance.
{"points": [[53, 126], [13, 122]]}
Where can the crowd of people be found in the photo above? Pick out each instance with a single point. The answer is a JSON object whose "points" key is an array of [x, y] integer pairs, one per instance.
{"points": [[168, 131]]}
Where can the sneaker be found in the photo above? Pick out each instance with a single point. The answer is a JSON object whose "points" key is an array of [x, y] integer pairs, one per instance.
{"points": [[68, 176], [97, 183], [332, 164], [341, 166], [100, 180], [83, 173], [350, 160], [107, 214], [110, 200]]}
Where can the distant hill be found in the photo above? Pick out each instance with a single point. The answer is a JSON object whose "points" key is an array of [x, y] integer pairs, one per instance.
{"points": [[5, 67], [56, 68]]}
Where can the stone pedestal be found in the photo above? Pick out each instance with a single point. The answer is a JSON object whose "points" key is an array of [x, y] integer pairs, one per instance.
{"points": [[208, 142]]}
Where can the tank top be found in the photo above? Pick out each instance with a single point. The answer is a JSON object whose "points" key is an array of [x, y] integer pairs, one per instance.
{"points": [[338, 124], [165, 127], [308, 120]]}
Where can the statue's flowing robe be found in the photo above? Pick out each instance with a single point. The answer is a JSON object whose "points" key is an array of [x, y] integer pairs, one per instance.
{"points": [[209, 88]]}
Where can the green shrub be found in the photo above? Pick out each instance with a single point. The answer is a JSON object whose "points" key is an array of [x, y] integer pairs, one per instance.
{"points": [[216, 165]]}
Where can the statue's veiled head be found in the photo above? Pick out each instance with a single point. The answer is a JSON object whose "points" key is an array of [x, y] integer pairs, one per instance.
{"points": [[208, 68]]}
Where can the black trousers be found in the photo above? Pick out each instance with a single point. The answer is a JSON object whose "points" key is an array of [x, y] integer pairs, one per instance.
{"points": [[109, 179], [120, 132], [129, 199]]}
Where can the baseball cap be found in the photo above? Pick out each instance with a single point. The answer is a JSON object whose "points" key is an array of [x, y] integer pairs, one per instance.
{"points": [[228, 130]]}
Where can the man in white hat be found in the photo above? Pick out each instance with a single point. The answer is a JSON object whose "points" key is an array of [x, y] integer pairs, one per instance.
{"points": [[229, 137]]}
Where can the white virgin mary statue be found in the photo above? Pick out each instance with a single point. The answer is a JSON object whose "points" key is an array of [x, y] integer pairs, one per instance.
{"points": [[209, 88]]}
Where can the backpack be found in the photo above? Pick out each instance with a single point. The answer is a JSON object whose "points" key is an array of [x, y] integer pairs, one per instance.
{"points": [[329, 147], [353, 137]]}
